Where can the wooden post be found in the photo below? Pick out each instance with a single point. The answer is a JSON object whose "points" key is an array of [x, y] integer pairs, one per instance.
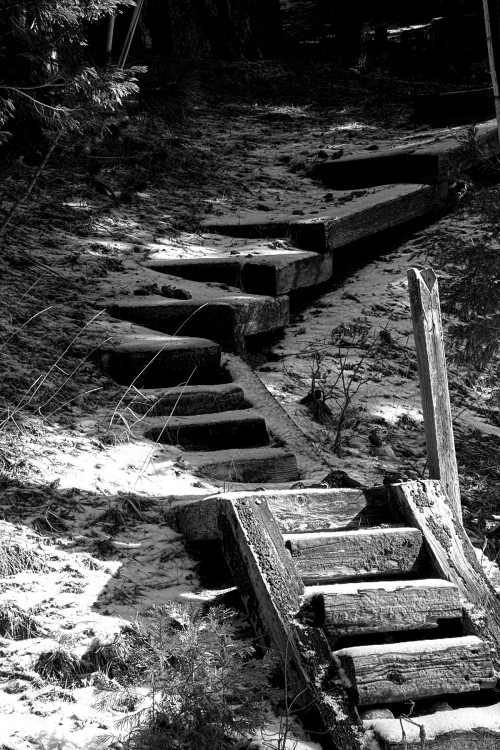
{"points": [[491, 12], [110, 34], [431, 362], [130, 33]]}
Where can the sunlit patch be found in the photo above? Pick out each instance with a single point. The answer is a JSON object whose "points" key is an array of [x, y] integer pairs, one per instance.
{"points": [[394, 413], [349, 126]]}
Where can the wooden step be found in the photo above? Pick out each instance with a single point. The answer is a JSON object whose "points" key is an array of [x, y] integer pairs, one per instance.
{"points": [[227, 318], [271, 591], [398, 672], [273, 273], [190, 399], [295, 510], [160, 360], [476, 728], [245, 465], [324, 557], [229, 429], [380, 607]]}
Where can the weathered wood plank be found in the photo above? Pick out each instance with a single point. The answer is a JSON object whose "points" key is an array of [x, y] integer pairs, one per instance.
{"points": [[294, 510], [475, 728], [399, 672], [424, 504], [229, 429], [324, 557], [271, 591], [328, 510], [433, 377], [190, 399], [380, 607]]}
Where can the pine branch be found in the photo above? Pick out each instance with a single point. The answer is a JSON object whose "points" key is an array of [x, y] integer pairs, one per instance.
{"points": [[13, 210]]}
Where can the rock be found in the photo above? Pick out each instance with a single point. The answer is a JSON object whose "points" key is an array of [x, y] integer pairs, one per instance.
{"points": [[328, 198], [322, 154]]}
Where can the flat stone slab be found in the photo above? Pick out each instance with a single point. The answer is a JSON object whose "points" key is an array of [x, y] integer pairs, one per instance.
{"points": [[245, 465], [424, 164], [372, 212], [160, 360], [271, 274], [230, 429], [228, 318], [475, 728], [188, 400]]}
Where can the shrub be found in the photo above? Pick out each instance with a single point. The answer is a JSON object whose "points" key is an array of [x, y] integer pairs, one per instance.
{"points": [[204, 688]]}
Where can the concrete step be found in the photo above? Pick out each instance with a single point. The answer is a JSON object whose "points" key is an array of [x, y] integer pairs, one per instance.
{"points": [[188, 400], [274, 273], [160, 360], [226, 318], [375, 210], [409, 671], [381, 606], [328, 557], [210, 432], [474, 728], [245, 465]]}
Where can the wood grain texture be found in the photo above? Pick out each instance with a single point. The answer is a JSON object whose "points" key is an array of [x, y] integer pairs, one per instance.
{"points": [[433, 377], [335, 556], [271, 591], [424, 504], [399, 672], [380, 607]]}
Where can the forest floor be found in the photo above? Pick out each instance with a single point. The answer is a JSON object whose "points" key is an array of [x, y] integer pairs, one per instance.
{"points": [[84, 544]]}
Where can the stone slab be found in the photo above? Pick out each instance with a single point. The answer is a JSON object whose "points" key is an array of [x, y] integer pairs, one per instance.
{"points": [[274, 274], [190, 399], [230, 429], [376, 210], [159, 360], [228, 318], [245, 465]]}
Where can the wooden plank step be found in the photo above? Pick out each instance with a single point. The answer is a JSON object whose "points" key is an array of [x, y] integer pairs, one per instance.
{"points": [[187, 400], [210, 432], [160, 360], [476, 728], [245, 465], [380, 607], [398, 672], [271, 591], [226, 318], [295, 510], [366, 169], [273, 274], [324, 557]]}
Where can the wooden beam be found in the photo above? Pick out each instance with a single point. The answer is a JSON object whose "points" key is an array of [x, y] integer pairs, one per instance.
{"points": [[326, 557], [431, 362], [424, 505], [380, 607], [399, 672], [491, 12], [271, 591]]}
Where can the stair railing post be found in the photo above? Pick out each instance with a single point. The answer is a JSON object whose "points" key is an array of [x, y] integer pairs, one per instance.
{"points": [[431, 363]]}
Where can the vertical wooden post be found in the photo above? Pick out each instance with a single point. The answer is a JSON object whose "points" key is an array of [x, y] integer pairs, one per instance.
{"points": [[431, 362], [491, 12], [130, 33]]}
